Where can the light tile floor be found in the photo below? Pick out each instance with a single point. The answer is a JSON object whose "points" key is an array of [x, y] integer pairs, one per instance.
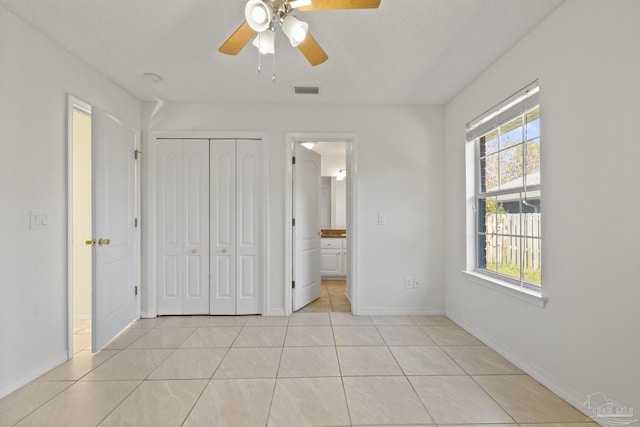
{"points": [[332, 298], [81, 335], [311, 369]]}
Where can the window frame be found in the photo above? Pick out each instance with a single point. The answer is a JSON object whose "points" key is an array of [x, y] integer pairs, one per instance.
{"points": [[494, 119]]}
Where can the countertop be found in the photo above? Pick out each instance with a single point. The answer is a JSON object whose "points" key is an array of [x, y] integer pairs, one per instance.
{"points": [[333, 233]]}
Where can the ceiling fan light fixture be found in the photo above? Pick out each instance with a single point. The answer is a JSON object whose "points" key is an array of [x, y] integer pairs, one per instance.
{"points": [[266, 42], [258, 15], [294, 29]]}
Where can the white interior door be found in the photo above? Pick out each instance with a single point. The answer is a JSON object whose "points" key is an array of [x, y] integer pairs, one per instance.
{"points": [[223, 226], [306, 236], [183, 226], [114, 258]]}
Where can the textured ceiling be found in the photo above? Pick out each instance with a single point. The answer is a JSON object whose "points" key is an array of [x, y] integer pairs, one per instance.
{"points": [[405, 52]]}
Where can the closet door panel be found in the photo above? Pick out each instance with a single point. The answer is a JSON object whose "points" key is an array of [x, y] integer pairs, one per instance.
{"points": [[249, 231], [169, 226], [222, 172], [195, 171], [170, 273]]}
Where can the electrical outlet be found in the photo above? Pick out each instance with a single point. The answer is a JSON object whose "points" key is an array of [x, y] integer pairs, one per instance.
{"points": [[416, 284], [408, 282]]}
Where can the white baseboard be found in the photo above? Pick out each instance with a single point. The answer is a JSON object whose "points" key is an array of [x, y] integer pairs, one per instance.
{"points": [[377, 311], [6, 389], [571, 396], [275, 312]]}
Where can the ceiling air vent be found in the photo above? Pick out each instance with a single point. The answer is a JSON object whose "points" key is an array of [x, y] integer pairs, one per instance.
{"points": [[306, 90]]}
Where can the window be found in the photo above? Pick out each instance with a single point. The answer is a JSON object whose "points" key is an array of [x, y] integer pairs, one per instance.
{"points": [[506, 140]]}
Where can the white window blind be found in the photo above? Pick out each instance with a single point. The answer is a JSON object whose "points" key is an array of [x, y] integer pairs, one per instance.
{"points": [[514, 106]]}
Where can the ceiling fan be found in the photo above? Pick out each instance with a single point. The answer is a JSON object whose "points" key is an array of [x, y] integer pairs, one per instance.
{"points": [[262, 16]]}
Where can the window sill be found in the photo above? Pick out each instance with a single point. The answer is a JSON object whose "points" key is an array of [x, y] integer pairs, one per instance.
{"points": [[506, 288]]}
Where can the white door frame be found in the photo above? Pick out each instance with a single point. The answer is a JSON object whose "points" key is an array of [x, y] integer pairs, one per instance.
{"points": [[75, 103], [149, 272], [351, 139]]}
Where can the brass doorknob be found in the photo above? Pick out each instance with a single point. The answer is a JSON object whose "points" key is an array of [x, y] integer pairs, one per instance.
{"points": [[224, 250], [102, 242], [91, 242]]}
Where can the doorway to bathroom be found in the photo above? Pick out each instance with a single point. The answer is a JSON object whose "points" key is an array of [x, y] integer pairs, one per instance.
{"points": [[323, 229]]}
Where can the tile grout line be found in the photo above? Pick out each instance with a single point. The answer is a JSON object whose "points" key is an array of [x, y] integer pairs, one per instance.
{"points": [[275, 381], [141, 381], [344, 390], [76, 381]]}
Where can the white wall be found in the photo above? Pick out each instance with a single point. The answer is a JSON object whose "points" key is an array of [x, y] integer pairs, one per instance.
{"points": [[35, 77], [339, 203], [400, 174], [329, 167], [587, 339], [331, 164]]}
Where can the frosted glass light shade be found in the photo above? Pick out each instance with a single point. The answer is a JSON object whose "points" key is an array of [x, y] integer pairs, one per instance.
{"points": [[294, 29], [266, 42], [258, 15]]}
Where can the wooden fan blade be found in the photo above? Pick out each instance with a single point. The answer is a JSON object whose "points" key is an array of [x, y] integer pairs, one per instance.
{"points": [[312, 50], [341, 4], [238, 39]]}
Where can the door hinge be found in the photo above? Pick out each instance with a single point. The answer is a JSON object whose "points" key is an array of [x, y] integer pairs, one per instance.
{"points": [[135, 222], [293, 222], [135, 291], [136, 154], [293, 160], [293, 284]]}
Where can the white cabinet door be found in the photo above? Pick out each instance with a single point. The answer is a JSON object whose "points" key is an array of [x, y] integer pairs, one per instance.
{"points": [[236, 226], [334, 256], [183, 226], [331, 262], [114, 260]]}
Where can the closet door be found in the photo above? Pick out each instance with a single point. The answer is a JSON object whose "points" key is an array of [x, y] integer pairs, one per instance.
{"points": [[223, 226], [236, 172], [195, 274], [183, 226], [249, 229]]}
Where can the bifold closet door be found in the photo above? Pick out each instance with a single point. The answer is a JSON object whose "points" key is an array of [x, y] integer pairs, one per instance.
{"points": [[236, 207], [183, 226]]}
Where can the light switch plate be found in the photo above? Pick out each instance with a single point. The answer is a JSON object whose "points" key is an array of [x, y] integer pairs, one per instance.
{"points": [[382, 219], [39, 220]]}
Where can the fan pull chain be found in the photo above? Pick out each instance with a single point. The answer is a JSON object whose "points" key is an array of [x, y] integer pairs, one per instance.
{"points": [[259, 59], [273, 77]]}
